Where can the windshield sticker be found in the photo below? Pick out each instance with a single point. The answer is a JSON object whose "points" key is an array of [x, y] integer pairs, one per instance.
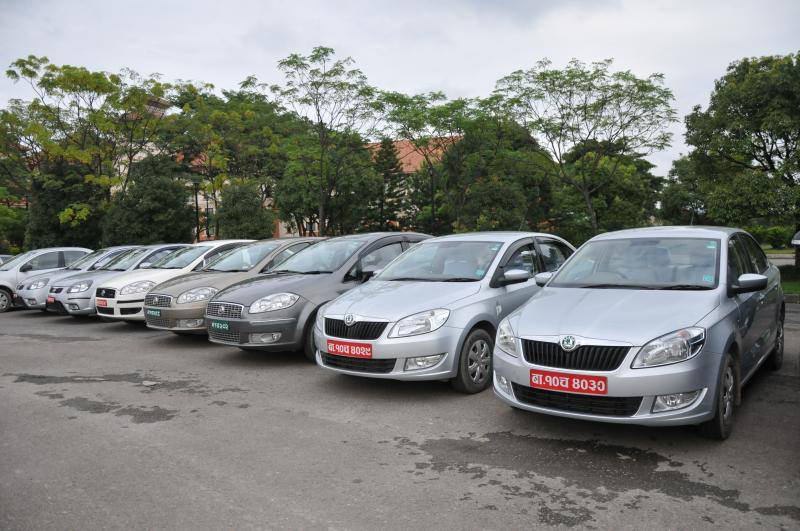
{"points": [[708, 278], [479, 272], [711, 245], [496, 247]]}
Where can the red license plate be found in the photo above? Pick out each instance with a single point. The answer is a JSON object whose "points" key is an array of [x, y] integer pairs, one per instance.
{"points": [[50, 299], [569, 383], [102, 303], [351, 350]]}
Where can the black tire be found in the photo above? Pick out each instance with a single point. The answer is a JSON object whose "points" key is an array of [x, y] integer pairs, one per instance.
{"points": [[475, 363], [5, 300], [309, 348], [775, 360], [721, 426]]}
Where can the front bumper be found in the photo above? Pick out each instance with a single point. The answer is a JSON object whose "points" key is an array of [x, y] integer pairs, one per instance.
{"points": [[124, 308], [168, 318], [386, 350], [71, 303], [698, 373], [289, 323], [34, 299]]}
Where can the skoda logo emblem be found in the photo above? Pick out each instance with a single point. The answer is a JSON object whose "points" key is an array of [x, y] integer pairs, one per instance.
{"points": [[569, 343], [349, 319]]}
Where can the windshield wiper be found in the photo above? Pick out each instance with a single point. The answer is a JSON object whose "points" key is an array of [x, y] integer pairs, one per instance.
{"points": [[617, 286], [410, 279], [459, 279], [687, 287]]}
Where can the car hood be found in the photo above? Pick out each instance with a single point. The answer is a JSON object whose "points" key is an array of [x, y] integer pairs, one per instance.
{"points": [[394, 300], [250, 290], [153, 275], [201, 279], [94, 276], [627, 315], [53, 276]]}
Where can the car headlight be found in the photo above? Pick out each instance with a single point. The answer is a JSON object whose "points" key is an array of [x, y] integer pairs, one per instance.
{"points": [[270, 303], [506, 340], [143, 286], [80, 287], [39, 283], [420, 323], [196, 295], [674, 347]]}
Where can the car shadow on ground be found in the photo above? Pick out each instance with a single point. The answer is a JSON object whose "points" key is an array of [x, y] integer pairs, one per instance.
{"points": [[235, 357], [385, 390]]}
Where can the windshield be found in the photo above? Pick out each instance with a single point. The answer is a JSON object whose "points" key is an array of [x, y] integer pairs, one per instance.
{"points": [[181, 258], [324, 257], [443, 261], [642, 263], [16, 261], [87, 260], [242, 258], [127, 259]]}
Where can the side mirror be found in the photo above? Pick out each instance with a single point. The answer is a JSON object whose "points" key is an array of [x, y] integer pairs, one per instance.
{"points": [[26, 268], [514, 276], [367, 274], [543, 278], [749, 283]]}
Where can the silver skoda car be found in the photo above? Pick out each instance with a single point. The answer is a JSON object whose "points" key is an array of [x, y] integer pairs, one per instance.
{"points": [[432, 313], [659, 326]]}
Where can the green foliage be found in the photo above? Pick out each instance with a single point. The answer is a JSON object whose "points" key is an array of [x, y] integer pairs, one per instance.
{"points": [[778, 237], [242, 214], [155, 207], [385, 211]]}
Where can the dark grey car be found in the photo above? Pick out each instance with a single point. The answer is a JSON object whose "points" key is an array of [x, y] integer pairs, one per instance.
{"points": [[276, 311]]}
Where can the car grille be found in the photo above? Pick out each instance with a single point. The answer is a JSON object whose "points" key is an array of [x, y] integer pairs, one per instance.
{"points": [[613, 406], [106, 293], [357, 364], [104, 311], [358, 330], [221, 335], [158, 301], [584, 358], [55, 289], [224, 309], [163, 322], [129, 311]]}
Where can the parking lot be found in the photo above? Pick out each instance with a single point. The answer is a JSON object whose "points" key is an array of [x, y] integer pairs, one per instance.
{"points": [[113, 425]]}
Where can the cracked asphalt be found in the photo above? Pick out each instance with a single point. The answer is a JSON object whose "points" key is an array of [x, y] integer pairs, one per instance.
{"points": [[111, 425]]}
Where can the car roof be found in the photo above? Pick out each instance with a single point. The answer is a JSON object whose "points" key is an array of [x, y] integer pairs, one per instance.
{"points": [[498, 236], [372, 236], [217, 243], [44, 249], [688, 231]]}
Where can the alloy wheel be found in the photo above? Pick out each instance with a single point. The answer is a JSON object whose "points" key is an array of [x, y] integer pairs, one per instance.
{"points": [[5, 301], [479, 361], [728, 382]]}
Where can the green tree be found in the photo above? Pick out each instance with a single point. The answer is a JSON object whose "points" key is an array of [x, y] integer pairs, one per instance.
{"points": [[155, 208], [242, 213], [583, 105], [386, 209]]}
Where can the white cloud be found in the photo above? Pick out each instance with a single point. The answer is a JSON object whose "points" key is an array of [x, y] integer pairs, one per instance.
{"points": [[460, 47]]}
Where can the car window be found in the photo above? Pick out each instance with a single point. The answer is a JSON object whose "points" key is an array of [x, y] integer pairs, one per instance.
{"points": [[380, 257], [87, 259], [70, 257], [324, 257], [757, 256], [554, 254], [738, 263], [45, 261], [156, 257], [102, 262], [241, 258], [443, 261], [13, 262], [285, 254], [523, 258]]}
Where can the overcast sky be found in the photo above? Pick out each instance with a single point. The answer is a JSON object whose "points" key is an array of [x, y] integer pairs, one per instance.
{"points": [[459, 47]]}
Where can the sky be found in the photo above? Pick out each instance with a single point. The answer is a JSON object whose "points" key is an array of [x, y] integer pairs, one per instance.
{"points": [[458, 47]]}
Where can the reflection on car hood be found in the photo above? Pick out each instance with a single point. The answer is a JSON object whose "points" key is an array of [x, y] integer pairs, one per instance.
{"points": [[54, 276], [95, 276], [201, 279], [140, 275], [628, 315], [394, 300], [250, 290]]}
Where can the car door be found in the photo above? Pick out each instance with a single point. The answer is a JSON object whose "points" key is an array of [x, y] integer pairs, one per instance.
{"points": [[41, 263], [747, 303], [766, 318], [553, 253], [521, 254]]}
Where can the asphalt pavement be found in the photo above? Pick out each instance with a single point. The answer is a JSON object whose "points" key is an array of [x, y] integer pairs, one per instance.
{"points": [[111, 425]]}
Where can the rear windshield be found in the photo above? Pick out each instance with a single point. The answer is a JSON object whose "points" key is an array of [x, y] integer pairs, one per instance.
{"points": [[643, 263]]}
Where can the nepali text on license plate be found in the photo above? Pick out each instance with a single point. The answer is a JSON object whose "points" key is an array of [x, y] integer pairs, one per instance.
{"points": [[220, 325], [349, 349], [154, 313], [102, 303], [569, 383]]}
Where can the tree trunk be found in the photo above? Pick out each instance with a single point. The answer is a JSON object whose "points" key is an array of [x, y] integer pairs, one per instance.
{"points": [[590, 209]]}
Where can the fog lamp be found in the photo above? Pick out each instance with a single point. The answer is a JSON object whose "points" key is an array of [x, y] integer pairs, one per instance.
{"points": [[74, 307], [271, 337], [422, 362], [190, 323], [503, 384], [674, 401], [31, 302]]}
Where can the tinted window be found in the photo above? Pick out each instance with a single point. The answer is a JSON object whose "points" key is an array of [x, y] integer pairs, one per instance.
{"points": [[70, 257], [554, 254], [523, 258], [757, 256], [45, 261]]}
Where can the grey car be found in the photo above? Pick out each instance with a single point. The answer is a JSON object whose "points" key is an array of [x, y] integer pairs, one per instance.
{"points": [[75, 294], [26, 265], [34, 292], [432, 313], [276, 311], [659, 326]]}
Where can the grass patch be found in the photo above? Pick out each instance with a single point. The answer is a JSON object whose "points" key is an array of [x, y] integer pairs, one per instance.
{"points": [[790, 278], [778, 251]]}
